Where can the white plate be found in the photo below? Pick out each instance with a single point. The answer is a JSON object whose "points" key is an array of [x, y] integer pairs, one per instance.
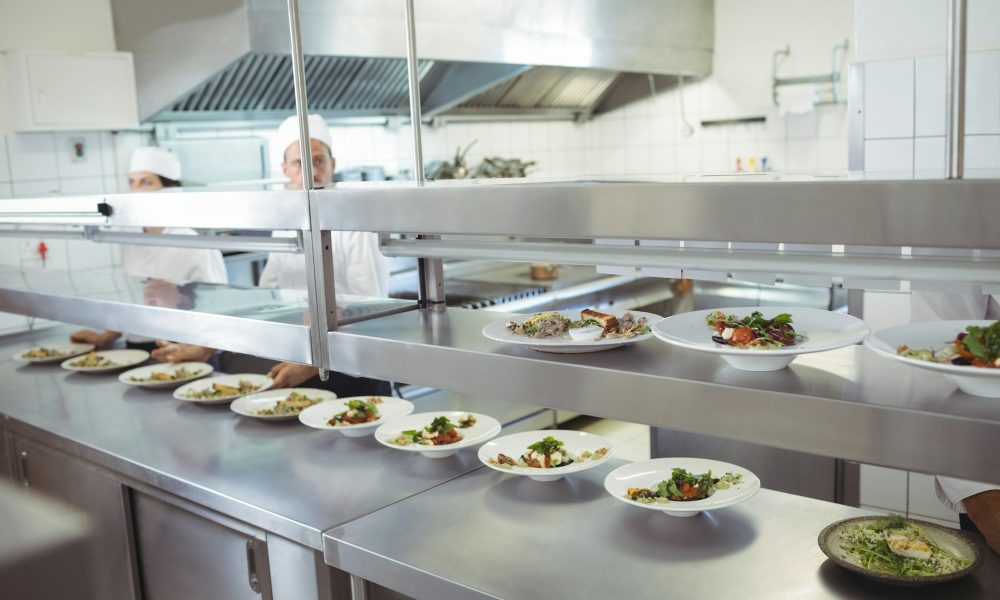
{"points": [[825, 330], [497, 330], [977, 381], [202, 369], [66, 349], [123, 359], [318, 416], [250, 406], [486, 428], [648, 473], [576, 442], [263, 381]]}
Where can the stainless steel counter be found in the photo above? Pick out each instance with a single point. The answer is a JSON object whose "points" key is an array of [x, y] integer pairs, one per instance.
{"points": [[491, 535], [282, 477], [847, 403]]}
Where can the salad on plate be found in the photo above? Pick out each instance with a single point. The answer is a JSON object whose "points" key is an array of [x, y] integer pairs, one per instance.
{"points": [[753, 331], [896, 546], [976, 347], [547, 453], [358, 412], [293, 404], [591, 325], [683, 486], [440, 432]]}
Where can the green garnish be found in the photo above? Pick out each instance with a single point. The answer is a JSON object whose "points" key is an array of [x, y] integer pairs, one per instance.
{"points": [[547, 445], [983, 342]]}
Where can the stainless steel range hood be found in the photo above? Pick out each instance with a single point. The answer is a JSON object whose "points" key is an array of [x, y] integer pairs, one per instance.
{"points": [[229, 59]]}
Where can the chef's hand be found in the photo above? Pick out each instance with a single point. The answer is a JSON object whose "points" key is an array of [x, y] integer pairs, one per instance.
{"points": [[984, 511], [101, 339], [291, 374], [176, 353], [163, 293]]}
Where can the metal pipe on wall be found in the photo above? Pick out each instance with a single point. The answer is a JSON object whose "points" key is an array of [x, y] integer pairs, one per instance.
{"points": [[958, 14]]}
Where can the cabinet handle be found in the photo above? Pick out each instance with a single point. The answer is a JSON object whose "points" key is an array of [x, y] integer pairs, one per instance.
{"points": [[252, 566], [23, 457]]}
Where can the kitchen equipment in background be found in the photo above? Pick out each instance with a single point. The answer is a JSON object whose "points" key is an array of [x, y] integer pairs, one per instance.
{"points": [[220, 160], [360, 174]]}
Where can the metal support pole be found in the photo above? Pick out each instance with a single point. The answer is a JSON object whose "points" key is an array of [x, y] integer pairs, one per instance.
{"points": [[430, 271], [319, 261], [955, 86]]}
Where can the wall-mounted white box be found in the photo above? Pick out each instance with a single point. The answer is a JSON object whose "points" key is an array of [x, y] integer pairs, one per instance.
{"points": [[66, 91]]}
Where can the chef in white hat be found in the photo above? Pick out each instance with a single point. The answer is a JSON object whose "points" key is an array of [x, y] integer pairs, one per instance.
{"points": [[153, 169]]}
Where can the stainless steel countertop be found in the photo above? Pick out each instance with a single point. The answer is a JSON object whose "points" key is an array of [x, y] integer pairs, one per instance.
{"points": [[847, 403], [491, 535], [280, 476]]}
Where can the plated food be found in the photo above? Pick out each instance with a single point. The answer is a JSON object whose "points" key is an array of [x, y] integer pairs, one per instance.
{"points": [[52, 352], [105, 360], [280, 404], [222, 388], [569, 331], [166, 374], [355, 417], [545, 455], [681, 487], [437, 434], [965, 352], [898, 550], [761, 338]]}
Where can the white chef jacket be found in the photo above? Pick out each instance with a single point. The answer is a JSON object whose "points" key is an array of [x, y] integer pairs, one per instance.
{"points": [[944, 306], [176, 265], [359, 269]]}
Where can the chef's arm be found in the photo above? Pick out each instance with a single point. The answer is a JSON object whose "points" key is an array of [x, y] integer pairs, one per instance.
{"points": [[100, 339], [174, 352], [984, 510]]}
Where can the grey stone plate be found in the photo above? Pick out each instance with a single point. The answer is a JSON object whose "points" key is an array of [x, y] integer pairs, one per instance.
{"points": [[957, 542]]}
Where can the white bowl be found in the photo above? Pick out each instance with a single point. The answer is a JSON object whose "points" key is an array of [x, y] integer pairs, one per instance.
{"points": [[201, 369], [318, 416], [824, 330], [250, 406], [486, 428], [514, 445], [648, 473], [977, 381], [263, 381], [497, 330], [65, 349], [123, 359]]}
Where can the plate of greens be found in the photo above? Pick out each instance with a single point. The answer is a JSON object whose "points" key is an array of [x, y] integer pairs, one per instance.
{"points": [[545, 455], [571, 331], [437, 434], [902, 551], [166, 375]]}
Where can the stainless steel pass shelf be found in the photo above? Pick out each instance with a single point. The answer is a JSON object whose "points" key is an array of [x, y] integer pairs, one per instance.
{"points": [[848, 403], [491, 535]]}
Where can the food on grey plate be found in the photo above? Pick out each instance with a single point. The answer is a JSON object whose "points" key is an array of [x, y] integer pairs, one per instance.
{"points": [[466, 422], [219, 390], [43, 352], [553, 324], [92, 360], [975, 347], [358, 412], [753, 331], [684, 486], [165, 376], [441, 431], [292, 405], [547, 453], [896, 546]]}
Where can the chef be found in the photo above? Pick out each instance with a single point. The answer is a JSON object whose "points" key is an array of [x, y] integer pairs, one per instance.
{"points": [[977, 504], [358, 266], [153, 169]]}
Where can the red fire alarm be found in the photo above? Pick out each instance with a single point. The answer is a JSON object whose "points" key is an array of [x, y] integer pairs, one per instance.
{"points": [[42, 251]]}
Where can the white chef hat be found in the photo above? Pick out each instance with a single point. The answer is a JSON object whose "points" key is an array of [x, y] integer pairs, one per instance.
{"points": [[288, 132], [153, 159]]}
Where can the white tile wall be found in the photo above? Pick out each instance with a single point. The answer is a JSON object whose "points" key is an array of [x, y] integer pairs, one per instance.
{"points": [[883, 488], [889, 99], [889, 156], [32, 156], [923, 500], [930, 95], [982, 93]]}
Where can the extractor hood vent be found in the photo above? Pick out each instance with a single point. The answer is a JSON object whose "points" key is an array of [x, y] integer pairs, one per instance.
{"points": [[546, 87]]}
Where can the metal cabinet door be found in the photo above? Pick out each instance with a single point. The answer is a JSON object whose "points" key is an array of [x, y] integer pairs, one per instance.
{"points": [[103, 499], [184, 556]]}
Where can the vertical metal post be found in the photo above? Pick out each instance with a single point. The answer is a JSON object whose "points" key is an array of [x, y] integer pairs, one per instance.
{"points": [[955, 73], [430, 271], [319, 261]]}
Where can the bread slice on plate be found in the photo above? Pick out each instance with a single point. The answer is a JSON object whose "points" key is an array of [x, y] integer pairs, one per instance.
{"points": [[608, 322]]}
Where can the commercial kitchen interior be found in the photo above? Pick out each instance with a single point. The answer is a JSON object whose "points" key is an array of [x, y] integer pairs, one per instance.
{"points": [[598, 109]]}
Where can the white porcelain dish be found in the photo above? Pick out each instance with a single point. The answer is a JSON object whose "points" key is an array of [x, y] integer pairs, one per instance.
{"points": [[485, 429], [252, 405], [574, 442], [183, 392], [140, 376], [648, 473], [388, 409], [65, 350], [497, 330], [977, 381], [122, 359], [823, 329]]}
